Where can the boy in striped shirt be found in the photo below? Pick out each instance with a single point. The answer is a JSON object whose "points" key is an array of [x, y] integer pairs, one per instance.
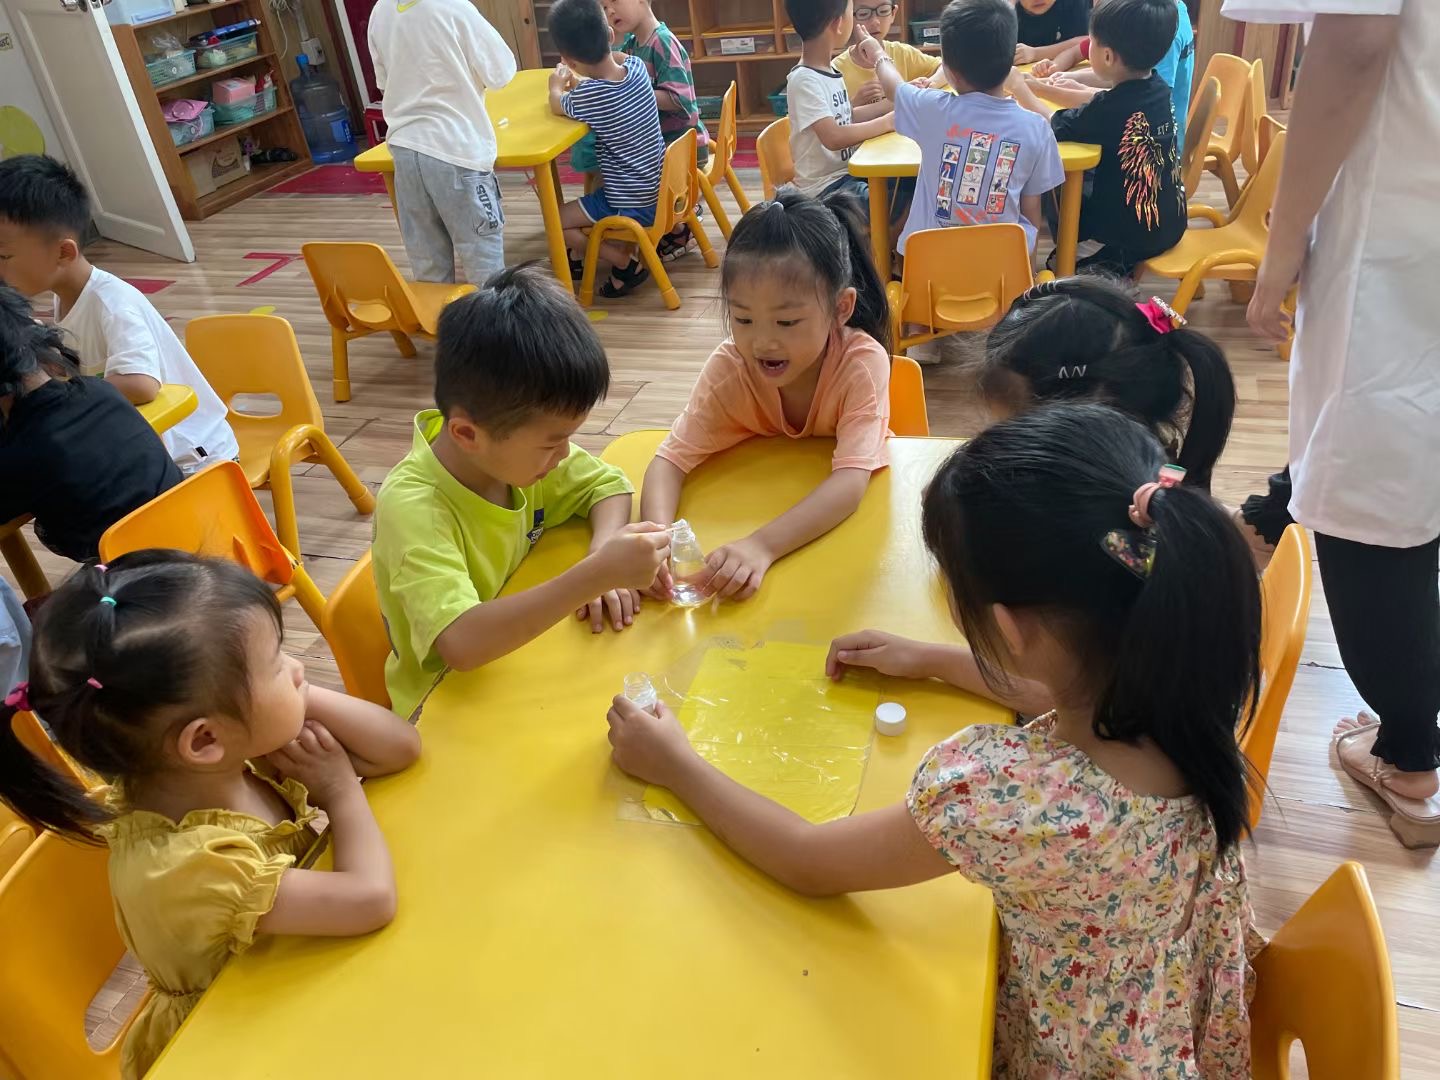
{"points": [[617, 100]]}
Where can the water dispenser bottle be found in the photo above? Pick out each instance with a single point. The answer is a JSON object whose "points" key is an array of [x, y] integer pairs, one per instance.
{"points": [[323, 114]]}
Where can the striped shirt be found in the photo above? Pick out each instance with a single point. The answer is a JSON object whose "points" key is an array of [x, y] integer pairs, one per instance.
{"points": [[626, 123]]}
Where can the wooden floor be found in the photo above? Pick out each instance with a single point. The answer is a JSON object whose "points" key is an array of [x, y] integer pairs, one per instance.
{"points": [[1318, 818]]}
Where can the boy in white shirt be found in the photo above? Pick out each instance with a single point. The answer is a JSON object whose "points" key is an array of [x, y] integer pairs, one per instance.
{"points": [[44, 211], [434, 60]]}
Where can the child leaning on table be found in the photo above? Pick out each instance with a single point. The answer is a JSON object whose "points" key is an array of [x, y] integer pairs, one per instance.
{"points": [[164, 674], [808, 356], [914, 65], [44, 212], [1108, 830], [617, 100], [518, 368]]}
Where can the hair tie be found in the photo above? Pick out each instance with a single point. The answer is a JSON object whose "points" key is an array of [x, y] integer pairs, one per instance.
{"points": [[1160, 315], [101, 567], [1170, 476], [19, 698], [108, 600], [95, 683]]}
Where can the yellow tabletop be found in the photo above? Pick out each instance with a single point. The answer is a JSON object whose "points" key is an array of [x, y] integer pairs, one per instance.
{"points": [[547, 930], [173, 404], [893, 154]]}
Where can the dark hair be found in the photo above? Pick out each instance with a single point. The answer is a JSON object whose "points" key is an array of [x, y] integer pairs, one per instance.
{"points": [[828, 239], [39, 192], [1140, 31], [27, 346], [977, 40], [810, 17], [519, 346], [1017, 517], [580, 30], [1083, 339], [174, 638]]}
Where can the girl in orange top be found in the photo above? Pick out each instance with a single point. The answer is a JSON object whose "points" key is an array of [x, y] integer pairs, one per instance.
{"points": [[808, 355]]}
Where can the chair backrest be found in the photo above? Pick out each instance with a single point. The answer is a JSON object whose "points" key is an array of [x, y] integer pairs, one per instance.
{"points": [[1258, 195], [772, 147], [1285, 613], [254, 354], [360, 288], [679, 186], [1257, 103], [1265, 136], [1325, 979], [1233, 74], [37, 740], [907, 398], [1197, 134], [964, 278], [58, 945], [726, 135], [356, 632], [213, 513], [16, 834]]}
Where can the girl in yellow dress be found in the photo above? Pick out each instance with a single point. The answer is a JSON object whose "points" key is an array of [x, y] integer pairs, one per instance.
{"points": [[164, 673]]}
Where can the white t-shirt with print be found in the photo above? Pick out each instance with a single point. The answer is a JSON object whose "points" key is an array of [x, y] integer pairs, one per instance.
{"points": [[117, 331], [816, 95], [434, 60]]}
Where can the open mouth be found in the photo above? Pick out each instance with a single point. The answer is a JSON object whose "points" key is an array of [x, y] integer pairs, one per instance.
{"points": [[772, 367]]}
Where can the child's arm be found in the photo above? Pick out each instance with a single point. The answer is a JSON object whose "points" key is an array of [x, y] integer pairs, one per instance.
{"points": [[1032, 208], [608, 517], [740, 567], [1067, 93], [1019, 88], [883, 849], [378, 741], [903, 658], [136, 389], [562, 80], [660, 493], [1029, 54], [1064, 60], [836, 136], [628, 560], [358, 896]]}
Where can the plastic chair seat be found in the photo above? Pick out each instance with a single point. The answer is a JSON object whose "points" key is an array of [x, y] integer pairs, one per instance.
{"points": [[355, 630]]}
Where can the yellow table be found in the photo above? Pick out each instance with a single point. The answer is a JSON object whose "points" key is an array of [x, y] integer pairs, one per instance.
{"points": [[529, 136], [895, 155], [545, 930], [170, 406]]}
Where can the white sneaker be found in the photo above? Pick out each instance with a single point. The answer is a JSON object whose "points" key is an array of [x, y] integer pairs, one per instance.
{"points": [[926, 354]]}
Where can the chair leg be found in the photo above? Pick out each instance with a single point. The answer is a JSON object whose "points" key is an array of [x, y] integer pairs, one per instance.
{"points": [[282, 496], [713, 201], [340, 359], [23, 565], [329, 454], [1225, 169], [592, 259], [307, 593], [404, 344], [703, 239], [657, 268], [741, 199]]}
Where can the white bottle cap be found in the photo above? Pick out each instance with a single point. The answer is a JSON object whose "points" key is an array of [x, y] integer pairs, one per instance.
{"points": [[890, 718]]}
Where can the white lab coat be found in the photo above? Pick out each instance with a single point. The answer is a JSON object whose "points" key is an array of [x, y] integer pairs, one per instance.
{"points": [[1365, 371]]}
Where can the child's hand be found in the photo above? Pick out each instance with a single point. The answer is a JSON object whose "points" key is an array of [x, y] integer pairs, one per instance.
{"points": [[622, 605], [889, 654], [1024, 54], [1043, 69], [660, 588], [317, 760], [646, 745], [738, 568], [868, 94], [1061, 81], [562, 78], [1014, 81], [866, 52], [631, 557]]}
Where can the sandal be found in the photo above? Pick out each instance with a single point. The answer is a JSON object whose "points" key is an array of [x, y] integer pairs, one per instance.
{"points": [[675, 244], [630, 278], [1415, 821]]}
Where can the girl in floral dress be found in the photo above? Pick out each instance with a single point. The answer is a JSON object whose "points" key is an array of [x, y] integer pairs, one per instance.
{"points": [[1108, 830]]}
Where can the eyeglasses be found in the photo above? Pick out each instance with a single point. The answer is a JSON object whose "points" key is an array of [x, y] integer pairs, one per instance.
{"points": [[880, 11]]}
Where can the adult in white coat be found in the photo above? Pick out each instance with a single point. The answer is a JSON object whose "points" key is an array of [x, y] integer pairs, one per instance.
{"points": [[1362, 160]]}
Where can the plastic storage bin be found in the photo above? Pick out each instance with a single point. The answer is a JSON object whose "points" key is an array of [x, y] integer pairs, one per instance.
{"points": [[710, 105], [237, 112], [188, 131], [925, 32], [227, 52], [739, 41], [135, 12], [779, 103], [168, 69]]}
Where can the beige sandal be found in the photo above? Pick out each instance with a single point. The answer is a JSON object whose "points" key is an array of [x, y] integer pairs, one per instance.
{"points": [[1415, 821]]}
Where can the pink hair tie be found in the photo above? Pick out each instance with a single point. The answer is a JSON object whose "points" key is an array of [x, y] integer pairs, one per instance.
{"points": [[1160, 315], [1170, 476], [101, 567], [19, 698], [95, 683]]}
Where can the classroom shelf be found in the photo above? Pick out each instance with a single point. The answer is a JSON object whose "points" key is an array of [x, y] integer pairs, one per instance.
{"points": [[261, 177], [190, 12], [210, 73], [232, 129]]}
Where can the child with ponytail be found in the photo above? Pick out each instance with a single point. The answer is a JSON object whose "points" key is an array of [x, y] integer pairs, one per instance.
{"points": [[1109, 829], [809, 355]]}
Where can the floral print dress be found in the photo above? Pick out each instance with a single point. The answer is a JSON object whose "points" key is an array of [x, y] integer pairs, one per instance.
{"points": [[1124, 949]]}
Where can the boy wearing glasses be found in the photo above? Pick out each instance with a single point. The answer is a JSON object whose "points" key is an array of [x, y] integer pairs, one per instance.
{"points": [[914, 65]]}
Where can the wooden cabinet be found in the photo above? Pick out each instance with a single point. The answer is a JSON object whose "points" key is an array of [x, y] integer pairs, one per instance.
{"points": [[279, 127]]}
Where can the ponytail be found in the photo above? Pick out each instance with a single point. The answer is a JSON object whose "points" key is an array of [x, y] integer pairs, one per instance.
{"points": [[1212, 404], [872, 307], [39, 793]]}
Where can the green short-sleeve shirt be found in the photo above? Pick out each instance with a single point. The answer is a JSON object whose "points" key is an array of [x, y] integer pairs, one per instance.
{"points": [[440, 548]]}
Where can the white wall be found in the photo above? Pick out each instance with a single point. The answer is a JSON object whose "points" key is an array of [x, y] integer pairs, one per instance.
{"points": [[18, 91]]}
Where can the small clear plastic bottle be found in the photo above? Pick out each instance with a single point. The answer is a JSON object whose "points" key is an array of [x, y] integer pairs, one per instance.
{"points": [[640, 690], [687, 567]]}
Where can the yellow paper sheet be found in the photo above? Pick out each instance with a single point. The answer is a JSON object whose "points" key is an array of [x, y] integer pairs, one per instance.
{"points": [[769, 718]]}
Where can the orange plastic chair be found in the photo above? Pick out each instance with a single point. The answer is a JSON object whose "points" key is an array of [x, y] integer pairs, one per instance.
{"points": [[356, 632], [1257, 104], [1232, 250], [722, 153], [1270, 129], [58, 945], [214, 513], [1202, 111], [1285, 592], [957, 279], [772, 147], [362, 293], [37, 740], [1325, 979], [679, 195], [258, 354], [908, 415], [1224, 148], [16, 834]]}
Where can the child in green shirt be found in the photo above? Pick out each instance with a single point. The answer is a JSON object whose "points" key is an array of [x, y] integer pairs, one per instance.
{"points": [[518, 368]]}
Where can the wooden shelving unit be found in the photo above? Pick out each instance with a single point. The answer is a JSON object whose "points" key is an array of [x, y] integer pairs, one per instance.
{"points": [[702, 24], [278, 128]]}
